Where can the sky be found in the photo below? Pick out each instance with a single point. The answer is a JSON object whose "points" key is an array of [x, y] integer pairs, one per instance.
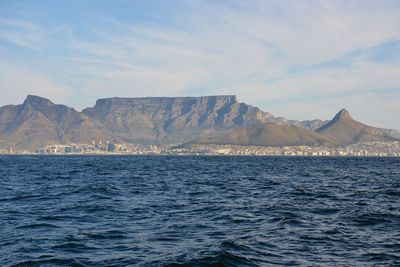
{"points": [[299, 59]]}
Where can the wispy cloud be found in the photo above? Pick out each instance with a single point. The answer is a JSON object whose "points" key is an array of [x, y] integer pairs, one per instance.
{"points": [[22, 33], [17, 83], [264, 51]]}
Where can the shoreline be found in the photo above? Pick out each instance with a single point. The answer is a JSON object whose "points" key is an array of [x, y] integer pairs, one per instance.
{"points": [[190, 155]]}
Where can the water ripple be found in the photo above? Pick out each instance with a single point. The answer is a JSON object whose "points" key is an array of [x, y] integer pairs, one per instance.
{"points": [[199, 211]]}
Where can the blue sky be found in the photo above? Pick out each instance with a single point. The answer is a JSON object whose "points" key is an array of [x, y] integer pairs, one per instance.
{"points": [[298, 59]]}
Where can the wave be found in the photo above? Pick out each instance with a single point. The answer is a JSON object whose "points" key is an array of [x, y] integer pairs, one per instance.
{"points": [[222, 258], [37, 225], [49, 261]]}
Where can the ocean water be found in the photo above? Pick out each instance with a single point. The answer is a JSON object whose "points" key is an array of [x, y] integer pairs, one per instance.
{"points": [[199, 211]]}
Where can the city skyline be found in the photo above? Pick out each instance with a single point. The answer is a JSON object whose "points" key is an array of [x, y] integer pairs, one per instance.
{"points": [[297, 60]]}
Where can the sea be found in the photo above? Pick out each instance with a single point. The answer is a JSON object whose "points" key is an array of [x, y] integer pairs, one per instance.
{"points": [[199, 211]]}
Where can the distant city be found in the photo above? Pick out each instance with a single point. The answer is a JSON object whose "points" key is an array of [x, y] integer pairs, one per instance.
{"points": [[364, 149]]}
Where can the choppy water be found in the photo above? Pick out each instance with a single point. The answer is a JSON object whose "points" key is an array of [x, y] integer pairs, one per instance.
{"points": [[199, 211]]}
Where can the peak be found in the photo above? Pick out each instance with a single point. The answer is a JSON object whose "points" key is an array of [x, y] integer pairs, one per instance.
{"points": [[342, 115], [37, 100]]}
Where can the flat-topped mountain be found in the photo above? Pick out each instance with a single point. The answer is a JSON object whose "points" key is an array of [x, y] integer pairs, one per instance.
{"points": [[149, 120], [173, 120], [344, 130]]}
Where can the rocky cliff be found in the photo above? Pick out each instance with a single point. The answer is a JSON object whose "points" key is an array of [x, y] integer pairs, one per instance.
{"points": [[157, 120], [173, 119]]}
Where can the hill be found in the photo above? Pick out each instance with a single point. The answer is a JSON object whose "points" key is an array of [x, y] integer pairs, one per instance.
{"points": [[269, 135], [344, 130]]}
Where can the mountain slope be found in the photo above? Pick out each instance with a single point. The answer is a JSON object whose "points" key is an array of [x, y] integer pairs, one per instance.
{"points": [[173, 119], [179, 119], [344, 130], [269, 135], [38, 122]]}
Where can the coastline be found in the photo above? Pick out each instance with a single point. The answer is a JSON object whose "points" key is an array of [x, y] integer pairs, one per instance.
{"points": [[189, 155]]}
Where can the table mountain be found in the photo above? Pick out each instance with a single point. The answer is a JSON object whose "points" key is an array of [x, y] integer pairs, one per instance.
{"points": [[173, 119], [38, 121], [154, 120]]}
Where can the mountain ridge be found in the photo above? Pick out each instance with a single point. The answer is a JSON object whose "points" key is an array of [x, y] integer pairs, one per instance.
{"points": [[38, 121], [173, 119], [342, 130], [149, 120]]}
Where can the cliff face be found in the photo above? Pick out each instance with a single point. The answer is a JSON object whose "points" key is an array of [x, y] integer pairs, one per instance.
{"points": [[173, 119], [38, 121]]}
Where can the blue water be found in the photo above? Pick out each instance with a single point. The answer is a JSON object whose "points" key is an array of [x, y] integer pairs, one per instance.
{"points": [[199, 211]]}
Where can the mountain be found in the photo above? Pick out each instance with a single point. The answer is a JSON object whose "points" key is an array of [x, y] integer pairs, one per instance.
{"points": [[341, 130], [38, 122], [269, 135], [173, 119], [344, 130], [180, 119], [168, 120]]}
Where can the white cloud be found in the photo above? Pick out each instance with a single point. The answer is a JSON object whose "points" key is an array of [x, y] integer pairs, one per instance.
{"points": [[248, 48], [16, 83], [21, 33]]}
